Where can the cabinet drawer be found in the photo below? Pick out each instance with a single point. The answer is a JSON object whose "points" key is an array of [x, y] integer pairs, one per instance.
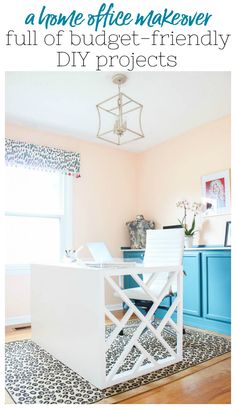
{"points": [[134, 256]]}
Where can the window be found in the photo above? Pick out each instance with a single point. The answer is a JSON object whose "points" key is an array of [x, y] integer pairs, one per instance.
{"points": [[38, 225]]}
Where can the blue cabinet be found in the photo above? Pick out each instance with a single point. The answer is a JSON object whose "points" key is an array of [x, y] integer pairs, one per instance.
{"points": [[207, 287]]}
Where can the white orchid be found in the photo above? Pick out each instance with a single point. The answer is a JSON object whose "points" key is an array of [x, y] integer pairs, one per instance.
{"points": [[195, 208]]}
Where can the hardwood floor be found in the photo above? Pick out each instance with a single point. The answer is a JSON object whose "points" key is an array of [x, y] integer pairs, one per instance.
{"points": [[207, 383]]}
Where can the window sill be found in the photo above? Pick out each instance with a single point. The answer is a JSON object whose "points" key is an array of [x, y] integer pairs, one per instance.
{"points": [[18, 269]]}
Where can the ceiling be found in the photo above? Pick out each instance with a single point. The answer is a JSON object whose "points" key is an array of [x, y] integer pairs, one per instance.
{"points": [[65, 102]]}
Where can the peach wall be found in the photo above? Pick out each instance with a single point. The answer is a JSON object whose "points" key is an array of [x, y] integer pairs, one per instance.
{"points": [[17, 290], [117, 185], [172, 171], [105, 195]]}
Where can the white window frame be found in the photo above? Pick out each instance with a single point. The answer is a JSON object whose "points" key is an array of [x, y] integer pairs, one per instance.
{"points": [[65, 217], [66, 230]]}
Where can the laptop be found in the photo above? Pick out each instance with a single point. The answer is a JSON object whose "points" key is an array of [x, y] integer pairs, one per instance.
{"points": [[99, 252], [103, 258]]}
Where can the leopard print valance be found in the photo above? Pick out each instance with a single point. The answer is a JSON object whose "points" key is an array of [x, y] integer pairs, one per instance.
{"points": [[42, 157]]}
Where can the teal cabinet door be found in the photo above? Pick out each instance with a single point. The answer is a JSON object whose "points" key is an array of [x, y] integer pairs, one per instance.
{"points": [[217, 285], [192, 284]]}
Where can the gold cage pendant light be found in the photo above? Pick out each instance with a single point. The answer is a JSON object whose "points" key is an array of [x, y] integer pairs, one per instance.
{"points": [[120, 116]]}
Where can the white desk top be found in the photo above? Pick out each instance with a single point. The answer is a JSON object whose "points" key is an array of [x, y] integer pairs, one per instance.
{"points": [[188, 249], [124, 268]]}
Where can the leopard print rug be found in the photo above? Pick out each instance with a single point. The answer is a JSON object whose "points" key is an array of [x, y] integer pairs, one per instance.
{"points": [[34, 376]]}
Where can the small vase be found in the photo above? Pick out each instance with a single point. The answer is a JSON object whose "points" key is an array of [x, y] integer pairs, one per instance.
{"points": [[188, 242]]}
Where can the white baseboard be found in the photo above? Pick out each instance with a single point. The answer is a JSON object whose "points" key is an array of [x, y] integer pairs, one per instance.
{"points": [[115, 307], [26, 319], [20, 320]]}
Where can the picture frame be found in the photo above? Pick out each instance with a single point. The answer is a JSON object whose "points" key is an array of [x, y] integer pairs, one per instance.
{"points": [[227, 242], [216, 193]]}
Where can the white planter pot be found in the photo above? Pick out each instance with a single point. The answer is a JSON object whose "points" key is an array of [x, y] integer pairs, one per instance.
{"points": [[188, 241]]}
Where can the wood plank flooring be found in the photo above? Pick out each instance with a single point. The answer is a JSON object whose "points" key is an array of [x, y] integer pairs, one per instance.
{"points": [[207, 383]]}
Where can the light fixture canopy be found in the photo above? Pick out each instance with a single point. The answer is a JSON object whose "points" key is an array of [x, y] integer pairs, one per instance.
{"points": [[119, 116]]}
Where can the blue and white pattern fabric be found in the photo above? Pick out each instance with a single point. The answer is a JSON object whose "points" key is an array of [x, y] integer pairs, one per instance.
{"points": [[18, 153]]}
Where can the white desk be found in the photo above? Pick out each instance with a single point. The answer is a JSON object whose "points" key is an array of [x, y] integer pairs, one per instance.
{"points": [[68, 318]]}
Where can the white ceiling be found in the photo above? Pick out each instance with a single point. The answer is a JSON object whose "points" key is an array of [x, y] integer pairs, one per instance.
{"points": [[65, 102]]}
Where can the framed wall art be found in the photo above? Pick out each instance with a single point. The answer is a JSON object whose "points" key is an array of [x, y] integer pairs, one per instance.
{"points": [[216, 193]]}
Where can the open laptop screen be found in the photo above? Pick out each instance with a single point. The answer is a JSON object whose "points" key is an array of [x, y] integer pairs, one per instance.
{"points": [[99, 251]]}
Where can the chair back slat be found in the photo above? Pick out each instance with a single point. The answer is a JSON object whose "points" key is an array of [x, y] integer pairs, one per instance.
{"points": [[164, 247]]}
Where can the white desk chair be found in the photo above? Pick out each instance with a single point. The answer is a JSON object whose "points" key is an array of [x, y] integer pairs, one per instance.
{"points": [[163, 248]]}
